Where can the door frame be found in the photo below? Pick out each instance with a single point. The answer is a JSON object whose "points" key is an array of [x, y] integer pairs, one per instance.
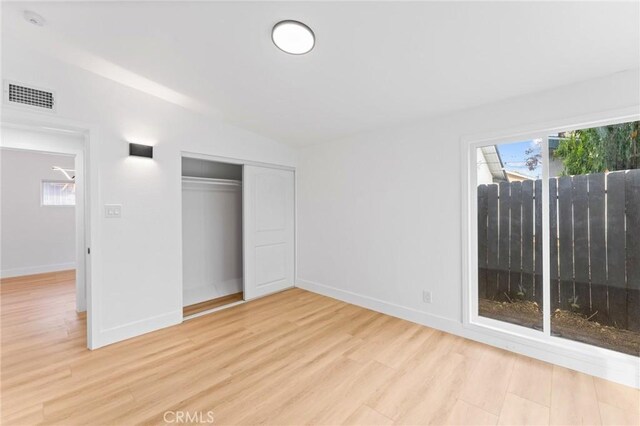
{"points": [[243, 162], [77, 153], [18, 118]]}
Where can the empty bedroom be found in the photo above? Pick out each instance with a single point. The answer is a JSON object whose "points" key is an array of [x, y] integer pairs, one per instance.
{"points": [[320, 212]]}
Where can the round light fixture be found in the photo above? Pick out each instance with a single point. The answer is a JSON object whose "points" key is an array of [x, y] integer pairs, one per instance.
{"points": [[293, 37], [33, 18]]}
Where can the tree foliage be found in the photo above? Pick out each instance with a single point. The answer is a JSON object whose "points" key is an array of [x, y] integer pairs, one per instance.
{"points": [[600, 149], [534, 158]]}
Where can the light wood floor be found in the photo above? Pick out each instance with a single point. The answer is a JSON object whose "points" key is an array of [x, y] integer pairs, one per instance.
{"points": [[210, 304], [290, 358]]}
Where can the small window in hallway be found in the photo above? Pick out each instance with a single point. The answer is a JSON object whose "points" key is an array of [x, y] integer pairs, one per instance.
{"points": [[58, 193]]}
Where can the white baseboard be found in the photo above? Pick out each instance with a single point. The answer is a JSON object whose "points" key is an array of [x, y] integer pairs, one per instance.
{"points": [[40, 269], [619, 368], [136, 328]]}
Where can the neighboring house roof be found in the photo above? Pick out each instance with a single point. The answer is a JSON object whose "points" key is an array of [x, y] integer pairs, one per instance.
{"points": [[494, 162], [517, 177]]}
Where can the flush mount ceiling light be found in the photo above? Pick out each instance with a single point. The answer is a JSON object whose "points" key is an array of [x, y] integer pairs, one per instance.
{"points": [[293, 37], [33, 18]]}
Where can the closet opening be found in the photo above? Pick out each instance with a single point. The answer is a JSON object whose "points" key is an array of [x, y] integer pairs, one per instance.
{"points": [[212, 244]]}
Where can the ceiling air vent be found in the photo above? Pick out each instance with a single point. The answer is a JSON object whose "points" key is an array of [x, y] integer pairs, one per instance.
{"points": [[29, 96]]}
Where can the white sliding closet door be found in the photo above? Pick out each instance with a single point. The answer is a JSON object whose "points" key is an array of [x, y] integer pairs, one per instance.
{"points": [[268, 198]]}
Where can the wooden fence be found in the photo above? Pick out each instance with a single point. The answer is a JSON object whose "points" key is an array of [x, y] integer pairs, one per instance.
{"points": [[594, 247]]}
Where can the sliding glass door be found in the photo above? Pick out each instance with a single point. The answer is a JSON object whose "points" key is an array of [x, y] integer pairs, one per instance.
{"points": [[594, 206], [509, 206], [558, 236]]}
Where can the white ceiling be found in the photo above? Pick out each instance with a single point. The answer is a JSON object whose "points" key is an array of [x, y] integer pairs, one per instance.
{"points": [[374, 64]]}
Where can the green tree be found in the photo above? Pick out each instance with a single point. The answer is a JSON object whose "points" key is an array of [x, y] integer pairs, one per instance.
{"points": [[600, 149]]}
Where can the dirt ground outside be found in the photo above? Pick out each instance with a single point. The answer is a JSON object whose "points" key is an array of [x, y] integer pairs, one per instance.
{"points": [[564, 324]]}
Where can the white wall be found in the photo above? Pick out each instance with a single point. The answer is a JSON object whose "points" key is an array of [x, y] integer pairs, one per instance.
{"points": [[136, 264], [379, 214], [35, 238]]}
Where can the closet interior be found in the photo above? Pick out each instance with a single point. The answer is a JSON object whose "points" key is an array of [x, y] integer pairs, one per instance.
{"points": [[211, 234]]}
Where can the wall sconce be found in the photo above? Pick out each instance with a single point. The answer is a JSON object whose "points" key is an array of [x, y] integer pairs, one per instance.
{"points": [[140, 150]]}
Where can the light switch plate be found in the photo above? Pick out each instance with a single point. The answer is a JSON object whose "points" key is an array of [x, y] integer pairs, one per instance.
{"points": [[113, 211]]}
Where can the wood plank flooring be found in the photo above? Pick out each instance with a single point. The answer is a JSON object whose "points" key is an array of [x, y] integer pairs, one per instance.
{"points": [[288, 359], [210, 304]]}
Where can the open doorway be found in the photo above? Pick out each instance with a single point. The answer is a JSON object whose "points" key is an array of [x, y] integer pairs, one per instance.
{"points": [[38, 212], [211, 235], [43, 263]]}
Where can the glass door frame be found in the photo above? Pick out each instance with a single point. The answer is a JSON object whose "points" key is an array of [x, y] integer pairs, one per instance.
{"points": [[495, 328]]}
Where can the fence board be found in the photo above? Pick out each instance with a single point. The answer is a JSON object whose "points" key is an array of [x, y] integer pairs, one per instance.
{"points": [[537, 251], [581, 243], [492, 241], [565, 236], [503, 244], [615, 249], [594, 244], [527, 238], [597, 248], [515, 244], [632, 198], [482, 241], [553, 243]]}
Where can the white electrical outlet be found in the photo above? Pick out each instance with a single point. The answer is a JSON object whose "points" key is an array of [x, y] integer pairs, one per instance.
{"points": [[426, 296], [113, 211]]}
